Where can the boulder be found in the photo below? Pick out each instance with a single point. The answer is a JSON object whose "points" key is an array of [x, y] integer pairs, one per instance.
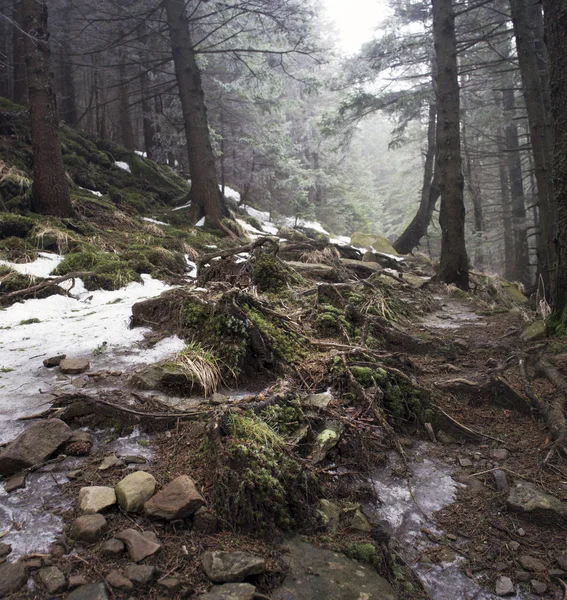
{"points": [[135, 490], [139, 545], [34, 446], [110, 462], [140, 574], [112, 547], [504, 587], [53, 361], [329, 514], [96, 498], [79, 444], [327, 439], [89, 528], [178, 500], [74, 366], [377, 242], [116, 580], [318, 400], [52, 579], [205, 521], [13, 576], [539, 587], [229, 567], [359, 523], [532, 501], [534, 331], [218, 399], [230, 591], [92, 591]]}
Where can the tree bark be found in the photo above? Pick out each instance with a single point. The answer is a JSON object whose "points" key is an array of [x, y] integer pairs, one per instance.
{"points": [[539, 130], [556, 28], [413, 233], [206, 199], [68, 99], [50, 191], [454, 264], [20, 88], [127, 136]]}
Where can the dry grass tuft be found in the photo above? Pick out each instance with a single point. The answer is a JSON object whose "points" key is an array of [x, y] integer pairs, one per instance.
{"points": [[319, 257], [201, 367]]}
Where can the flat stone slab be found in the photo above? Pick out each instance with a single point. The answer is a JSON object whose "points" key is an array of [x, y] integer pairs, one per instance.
{"points": [[318, 573], [96, 498], [139, 546], [178, 500], [74, 366], [532, 501], [231, 567], [318, 400], [92, 591]]}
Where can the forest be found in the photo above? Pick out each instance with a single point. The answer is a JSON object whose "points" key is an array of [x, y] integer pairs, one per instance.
{"points": [[283, 299]]}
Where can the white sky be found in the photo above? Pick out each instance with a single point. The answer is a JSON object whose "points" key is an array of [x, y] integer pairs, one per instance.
{"points": [[355, 20]]}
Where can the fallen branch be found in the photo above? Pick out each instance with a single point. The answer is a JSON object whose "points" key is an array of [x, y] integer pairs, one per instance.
{"points": [[233, 251], [46, 284], [470, 432]]}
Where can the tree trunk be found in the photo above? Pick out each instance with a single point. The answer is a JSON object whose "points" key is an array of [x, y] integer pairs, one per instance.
{"points": [[520, 269], [206, 199], [126, 130], [454, 264], [5, 11], [556, 28], [539, 131], [20, 88], [413, 233], [68, 100], [505, 204], [50, 191]]}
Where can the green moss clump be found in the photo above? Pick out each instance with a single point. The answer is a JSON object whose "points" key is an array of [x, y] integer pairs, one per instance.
{"points": [[369, 240], [364, 552], [15, 249], [368, 377], [330, 321], [286, 419], [270, 275], [12, 225], [156, 261]]}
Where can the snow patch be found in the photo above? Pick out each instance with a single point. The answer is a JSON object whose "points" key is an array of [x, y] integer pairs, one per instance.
{"points": [[192, 267], [180, 207], [42, 266], [154, 221], [230, 194], [140, 153], [200, 222], [341, 240], [249, 228], [123, 165], [93, 192]]}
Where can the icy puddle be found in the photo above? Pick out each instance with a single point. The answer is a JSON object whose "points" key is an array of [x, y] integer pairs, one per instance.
{"points": [[453, 316], [407, 508]]}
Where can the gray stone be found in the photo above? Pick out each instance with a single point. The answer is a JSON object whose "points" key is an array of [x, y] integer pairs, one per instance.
{"points": [[92, 591], [529, 563], [140, 574], [110, 462], [562, 561], [217, 398], [112, 547], [500, 454], [13, 576], [74, 366], [35, 445], [79, 444], [116, 580], [135, 490], [521, 532], [134, 459], [76, 581], [329, 513], [33, 564], [504, 586], [74, 474], [318, 400], [96, 498], [556, 573], [178, 500], [514, 546], [205, 521], [230, 591], [327, 439], [465, 462], [53, 361], [360, 523], [522, 576], [89, 528], [539, 587], [229, 567], [52, 579], [16, 482], [317, 573], [445, 438], [170, 584], [501, 481], [139, 545], [530, 500], [534, 332], [5, 549]]}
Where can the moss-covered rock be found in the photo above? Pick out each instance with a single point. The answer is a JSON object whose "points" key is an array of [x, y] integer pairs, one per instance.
{"points": [[270, 275], [369, 240], [12, 225], [534, 331]]}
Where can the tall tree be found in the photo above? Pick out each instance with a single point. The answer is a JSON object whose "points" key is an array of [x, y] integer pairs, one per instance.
{"points": [[454, 263], [50, 191]]}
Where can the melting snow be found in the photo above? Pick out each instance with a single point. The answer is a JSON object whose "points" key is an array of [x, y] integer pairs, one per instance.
{"points": [[342, 240], [123, 165], [180, 207], [249, 228], [200, 222], [94, 192], [192, 267], [154, 221], [42, 266]]}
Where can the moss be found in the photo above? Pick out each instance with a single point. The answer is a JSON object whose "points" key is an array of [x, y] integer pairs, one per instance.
{"points": [[292, 235], [15, 249], [269, 273], [29, 321], [284, 419], [364, 552], [368, 240], [12, 225], [156, 261]]}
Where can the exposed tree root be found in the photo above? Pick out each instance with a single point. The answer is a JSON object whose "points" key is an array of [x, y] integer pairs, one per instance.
{"points": [[34, 289]]}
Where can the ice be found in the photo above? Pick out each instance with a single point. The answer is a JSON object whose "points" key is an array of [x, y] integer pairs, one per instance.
{"points": [[42, 266], [192, 267], [180, 207], [230, 193], [94, 192], [123, 165], [200, 222], [342, 240], [154, 221]]}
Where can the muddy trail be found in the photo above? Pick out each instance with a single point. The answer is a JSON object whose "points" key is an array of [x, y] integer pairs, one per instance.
{"points": [[295, 423]]}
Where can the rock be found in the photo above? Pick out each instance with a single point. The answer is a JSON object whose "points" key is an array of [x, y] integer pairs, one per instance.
{"points": [[562, 561], [539, 587], [53, 361], [556, 573], [96, 498], [504, 586], [16, 482], [322, 574], [135, 490], [5, 549], [13, 576], [112, 547], [110, 462], [360, 523], [230, 591], [178, 499], [139, 545], [53, 580], [522, 576], [521, 532], [92, 591], [530, 500], [33, 564], [445, 438], [329, 513], [229, 567], [500, 454], [74, 366], [76, 581], [217, 398], [170, 584], [74, 474], [514, 546], [79, 444], [318, 400], [465, 462], [89, 528], [134, 459], [529, 563], [327, 439], [35, 445], [116, 580], [501, 481], [205, 521], [140, 574], [534, 332]]}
